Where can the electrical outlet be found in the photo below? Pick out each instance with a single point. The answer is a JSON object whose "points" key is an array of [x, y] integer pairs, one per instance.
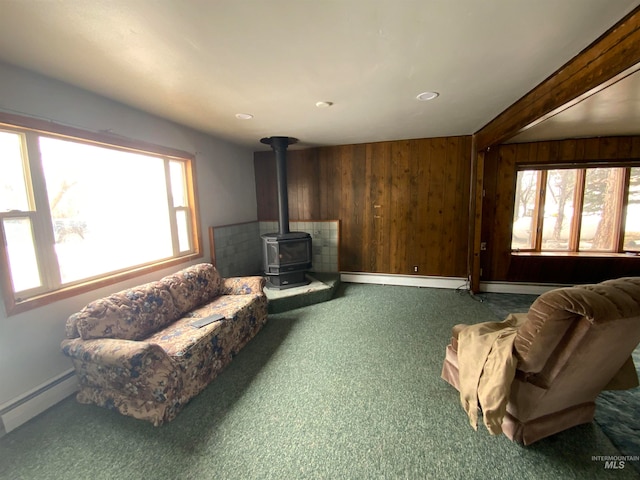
{"points": [[415, 269]]}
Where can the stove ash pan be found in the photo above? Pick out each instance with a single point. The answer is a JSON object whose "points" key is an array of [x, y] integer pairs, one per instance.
{"points": [[286, 252]]}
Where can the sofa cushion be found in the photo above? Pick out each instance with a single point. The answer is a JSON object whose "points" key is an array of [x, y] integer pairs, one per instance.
{"points": [[179, 338], [131, 314], [193, 286], [71, 326]]}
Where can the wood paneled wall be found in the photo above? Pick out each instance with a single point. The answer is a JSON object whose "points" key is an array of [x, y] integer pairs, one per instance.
{"points": [[400, 203], [497, 212]]}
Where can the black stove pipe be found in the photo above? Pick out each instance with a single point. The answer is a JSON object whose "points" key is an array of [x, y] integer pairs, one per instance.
{"points": [[279, 146]]}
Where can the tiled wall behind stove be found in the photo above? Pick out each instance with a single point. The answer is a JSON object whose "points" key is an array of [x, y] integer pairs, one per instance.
{"points": [[238, 248], [324, 241]]}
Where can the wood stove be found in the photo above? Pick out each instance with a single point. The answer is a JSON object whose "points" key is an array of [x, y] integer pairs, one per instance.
{"points": [[286, 258], [286, 255]]}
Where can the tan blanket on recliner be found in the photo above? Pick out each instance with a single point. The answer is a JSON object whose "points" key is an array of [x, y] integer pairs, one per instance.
{"points": [[486, 368]]}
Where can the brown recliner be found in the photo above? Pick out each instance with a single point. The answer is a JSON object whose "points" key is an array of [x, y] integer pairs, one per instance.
{"points": [[574, 343]]}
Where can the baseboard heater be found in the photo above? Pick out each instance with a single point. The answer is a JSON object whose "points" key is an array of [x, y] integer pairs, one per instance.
{"points": [[403, 280], [446, 282], [27, 406], [519, 287]]}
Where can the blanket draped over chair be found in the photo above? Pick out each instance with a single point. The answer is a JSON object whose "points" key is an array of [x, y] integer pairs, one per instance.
{"points": [[487, 367]]}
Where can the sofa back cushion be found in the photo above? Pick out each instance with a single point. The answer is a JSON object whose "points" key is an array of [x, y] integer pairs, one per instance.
{"points": [[71, 327], [131, 314], [193, 286]]}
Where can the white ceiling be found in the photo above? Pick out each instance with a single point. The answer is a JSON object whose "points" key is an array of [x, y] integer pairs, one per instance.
{"points": [[200, 62]]}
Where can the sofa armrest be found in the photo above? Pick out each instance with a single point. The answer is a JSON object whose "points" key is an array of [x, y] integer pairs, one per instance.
{"points": [[112, 352], [243, 285]]}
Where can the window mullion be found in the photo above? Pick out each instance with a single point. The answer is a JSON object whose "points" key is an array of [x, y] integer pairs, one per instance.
{"points": [[173, 222], [192, 210], [539, 209], [43, 224], [189, 225], [622, 211], [578, 202]]}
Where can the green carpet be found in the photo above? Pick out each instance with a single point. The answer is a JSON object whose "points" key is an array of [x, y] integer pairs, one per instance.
{"points": [[345, 389]]}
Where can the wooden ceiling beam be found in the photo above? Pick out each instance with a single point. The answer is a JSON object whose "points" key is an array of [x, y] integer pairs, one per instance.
{"points": [[616, 53]]}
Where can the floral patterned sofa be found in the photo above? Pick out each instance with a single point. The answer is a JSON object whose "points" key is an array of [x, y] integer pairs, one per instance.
{"points": [[137, 352]]}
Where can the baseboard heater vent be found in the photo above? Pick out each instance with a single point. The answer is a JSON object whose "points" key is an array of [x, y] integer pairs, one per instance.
{"points": [[447, 282], [403, 280], [519, 287], [22, 409]]}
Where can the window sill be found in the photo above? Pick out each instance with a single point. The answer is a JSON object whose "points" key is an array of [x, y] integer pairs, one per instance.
{"points": [[14, 307], [577, 254]]}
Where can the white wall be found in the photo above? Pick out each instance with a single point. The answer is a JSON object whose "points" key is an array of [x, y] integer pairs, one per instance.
{"points": [[30, 342]]}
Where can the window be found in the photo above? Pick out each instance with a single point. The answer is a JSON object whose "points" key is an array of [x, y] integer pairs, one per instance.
{"points": [[590, 209], [75, 211]]}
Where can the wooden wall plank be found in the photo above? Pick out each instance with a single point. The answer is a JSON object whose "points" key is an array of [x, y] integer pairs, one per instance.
{"points": [[455, 210], [460, 207], [355, 160], [505, 191], [335, 184], [415, 175], [325, 179], [346, 204], [448, 167], [264, 165], [476, 204], [422, 160], [399, 207], [382, 164], [368, 214], [435, 205], [307, 182], [294, 184]]}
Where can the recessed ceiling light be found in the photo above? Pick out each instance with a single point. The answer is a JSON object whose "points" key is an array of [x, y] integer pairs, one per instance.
{"points": [[424, 96], [244, 116], [323, 104]]}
